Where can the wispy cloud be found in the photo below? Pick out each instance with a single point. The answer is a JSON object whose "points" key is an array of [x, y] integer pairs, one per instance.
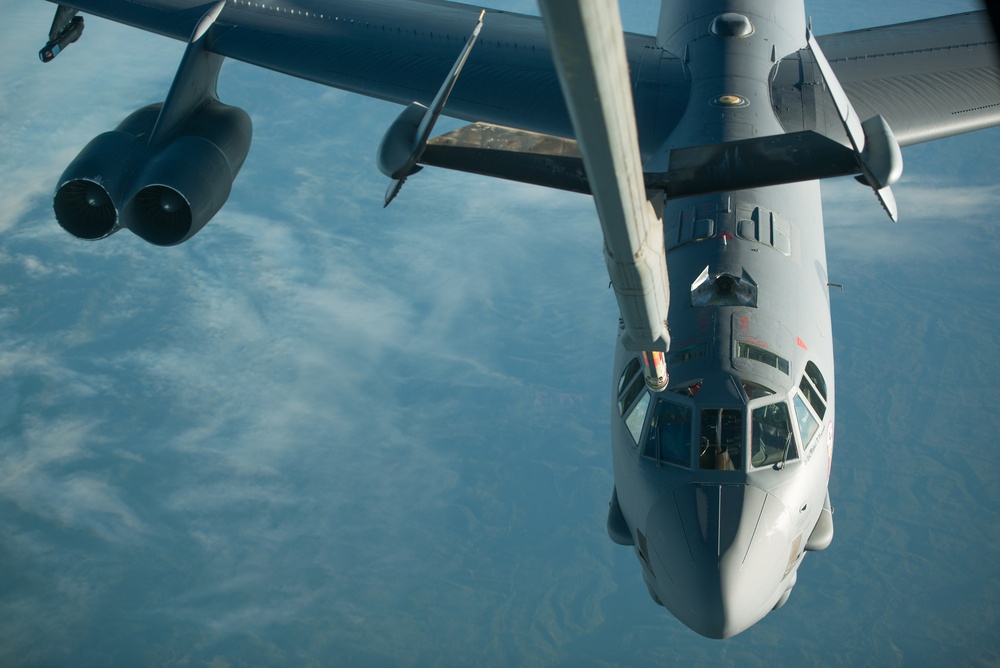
{"points": [[939, 217], [320, 424]]}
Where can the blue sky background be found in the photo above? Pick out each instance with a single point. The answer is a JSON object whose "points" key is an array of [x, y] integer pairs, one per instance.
{"points": [[326, 433]]}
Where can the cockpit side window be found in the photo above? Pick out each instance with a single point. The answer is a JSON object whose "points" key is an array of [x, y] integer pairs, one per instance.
{"points": [[808, 425], [629, 386], [688, 389], [721, 439], [669, 437], [812, 372], [631, 369], [771, 436], [758, 354], [686, 354], [637, 416], [756, 390], [814, 389]]}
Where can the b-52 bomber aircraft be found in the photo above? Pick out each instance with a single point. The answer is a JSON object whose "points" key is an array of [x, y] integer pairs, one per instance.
{"points": [[703, 146]]}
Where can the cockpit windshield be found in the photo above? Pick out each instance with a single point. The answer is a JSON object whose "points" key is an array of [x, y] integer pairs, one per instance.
{"points": [[679, 431], [669, 436], [771, 440], [721, 439]]}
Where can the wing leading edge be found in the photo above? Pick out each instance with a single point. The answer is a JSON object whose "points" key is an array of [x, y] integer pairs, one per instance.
{"points": [[928, 79], [402, 51]]}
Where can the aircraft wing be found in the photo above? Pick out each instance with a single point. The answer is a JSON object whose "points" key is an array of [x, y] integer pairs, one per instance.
{"points": [[929, 79], [392, 50]]}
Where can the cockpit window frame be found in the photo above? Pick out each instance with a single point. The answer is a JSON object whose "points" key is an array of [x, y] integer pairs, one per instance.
{"points": [[770, 460], [630, 387], [753, 390], [813, 389], [705, 459], [640, 420], [813, 373], [798, 448], [769, 358], [811, 412], [628, 373], [677, 400]]}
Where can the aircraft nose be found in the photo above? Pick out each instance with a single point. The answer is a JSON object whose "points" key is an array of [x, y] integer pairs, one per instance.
{"points": [[719, 554]]}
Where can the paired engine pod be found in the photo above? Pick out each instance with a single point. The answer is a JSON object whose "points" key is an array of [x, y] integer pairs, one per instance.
{"points": [[164, 193]]}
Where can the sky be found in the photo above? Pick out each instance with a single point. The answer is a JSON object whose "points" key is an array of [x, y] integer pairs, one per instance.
{"points": [[327, 433]]}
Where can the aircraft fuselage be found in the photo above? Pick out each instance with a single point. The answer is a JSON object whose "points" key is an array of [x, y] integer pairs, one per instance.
{"points": [[721, 479]]}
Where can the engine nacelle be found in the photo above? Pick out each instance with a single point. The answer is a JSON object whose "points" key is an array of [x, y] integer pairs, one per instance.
{"points": [[92, 188], [181, 187], [164, 193]]}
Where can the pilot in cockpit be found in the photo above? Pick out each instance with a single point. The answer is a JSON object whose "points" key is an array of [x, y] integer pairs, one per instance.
{"points": [[771, 436], [720, 443]]}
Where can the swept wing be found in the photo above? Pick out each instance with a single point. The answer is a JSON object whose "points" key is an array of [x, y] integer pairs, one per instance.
{"points": [[402, 51], [929, 79]]}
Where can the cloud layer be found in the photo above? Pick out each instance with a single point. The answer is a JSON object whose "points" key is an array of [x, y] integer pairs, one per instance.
{"points": [[323, 432]]}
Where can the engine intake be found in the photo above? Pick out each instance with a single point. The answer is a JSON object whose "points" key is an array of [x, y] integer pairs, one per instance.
{"points": [[85, 209], [88, 198]]}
